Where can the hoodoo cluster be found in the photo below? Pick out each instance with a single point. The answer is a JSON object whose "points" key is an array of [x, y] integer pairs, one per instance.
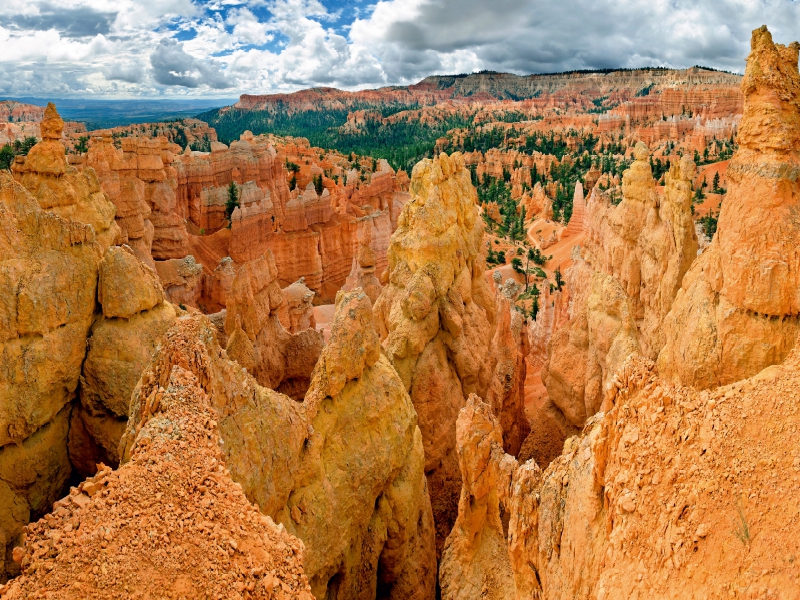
{"points": [[182, 417]]}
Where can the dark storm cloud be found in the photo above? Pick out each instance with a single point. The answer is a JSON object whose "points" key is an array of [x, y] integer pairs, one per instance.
{"points": [[75, 22], [534, 36], [172, 66]]}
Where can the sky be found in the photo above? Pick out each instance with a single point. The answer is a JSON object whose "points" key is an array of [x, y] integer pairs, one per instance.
{"points": [[223, 48]]}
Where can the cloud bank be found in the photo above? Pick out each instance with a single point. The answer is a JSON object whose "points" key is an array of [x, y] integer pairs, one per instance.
{"points": [[227, 47]]}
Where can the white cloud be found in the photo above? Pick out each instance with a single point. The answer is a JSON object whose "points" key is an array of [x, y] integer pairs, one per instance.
{"points": [[185, 46]]}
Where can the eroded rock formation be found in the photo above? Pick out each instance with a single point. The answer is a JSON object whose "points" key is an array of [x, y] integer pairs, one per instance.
{"points": [[622, 286], [171, 512], [436, 314], [62, 189], [81, 314], [475, 562], [297, 312], [343, 470], [258, 340], [739, 310], [44, 257], [121, 343]]}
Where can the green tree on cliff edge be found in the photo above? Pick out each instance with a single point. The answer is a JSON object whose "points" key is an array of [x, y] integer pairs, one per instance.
{"points": [[6, 156], [233, 201]]}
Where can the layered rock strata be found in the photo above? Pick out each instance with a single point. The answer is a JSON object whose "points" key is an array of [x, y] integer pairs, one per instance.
{"points": [[141, 180], [739, 309], [362, 273], [203, 179]]}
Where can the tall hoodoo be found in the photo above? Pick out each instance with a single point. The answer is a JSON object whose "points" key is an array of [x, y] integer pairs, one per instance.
{"points": [[739, 310], [61, 188], [436, 315], [475, 562], [622, 285]]}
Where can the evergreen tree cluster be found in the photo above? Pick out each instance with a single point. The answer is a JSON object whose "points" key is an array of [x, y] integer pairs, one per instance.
{"points": [[18, 148]]}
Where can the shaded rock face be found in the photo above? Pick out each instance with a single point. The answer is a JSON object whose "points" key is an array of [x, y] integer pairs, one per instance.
{"points": [[621, 286], [507, 360], [175, 468], [256, 337], [343, 470], [475, 562], [121, 344], [436, 316], [738, 310], [182, 280]]}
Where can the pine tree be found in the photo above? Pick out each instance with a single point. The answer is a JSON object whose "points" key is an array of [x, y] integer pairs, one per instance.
{"points": [[233, 201], [535, 307]]}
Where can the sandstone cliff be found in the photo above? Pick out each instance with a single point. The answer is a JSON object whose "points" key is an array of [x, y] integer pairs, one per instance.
{"points": [[738, 310], [343, 470], [436, 316]]}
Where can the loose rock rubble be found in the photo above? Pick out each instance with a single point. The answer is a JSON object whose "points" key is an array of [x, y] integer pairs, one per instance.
{"points": [[170, 523]]}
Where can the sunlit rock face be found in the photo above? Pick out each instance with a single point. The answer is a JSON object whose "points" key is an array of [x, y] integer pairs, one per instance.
{"points": [[622, 285], [739, 309], [436, 316]]}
